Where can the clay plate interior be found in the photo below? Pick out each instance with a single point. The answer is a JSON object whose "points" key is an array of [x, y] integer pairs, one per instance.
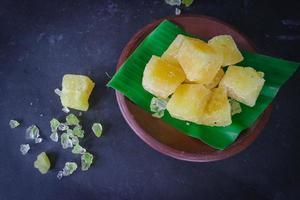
{"points": [[163, 137]]}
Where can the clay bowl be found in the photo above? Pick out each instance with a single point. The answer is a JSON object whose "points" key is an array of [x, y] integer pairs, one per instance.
{"points": [[161, 136]]}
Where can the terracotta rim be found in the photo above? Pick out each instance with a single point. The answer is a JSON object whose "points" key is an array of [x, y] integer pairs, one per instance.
{"points": [[235, 148]]}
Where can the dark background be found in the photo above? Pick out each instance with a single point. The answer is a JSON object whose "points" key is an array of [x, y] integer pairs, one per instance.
{"points": [[40, 41]]}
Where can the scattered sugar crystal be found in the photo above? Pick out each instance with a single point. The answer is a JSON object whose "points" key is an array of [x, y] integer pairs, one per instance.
{"points": [[86, 161], [97, 129], [13, 123], [57, 91], [24, 148], [54, 136], [73, 137], [173, 2], [79, 126], [60, 175], [77, 131], [177, 11], [77, 149], [32, 132], [54, 124], [107, 74], [74, 140], [42, 163], [69, 132], [187, 3], [41, 115], [80, 114], [71, 119], [69, 168], [38, 140], [65, 141], [63, 127], [65, 109], [158, 104]]}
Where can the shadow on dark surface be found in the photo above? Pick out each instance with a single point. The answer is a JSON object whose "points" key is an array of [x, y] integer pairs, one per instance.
{"points": [[99, 90], [52, 157]]}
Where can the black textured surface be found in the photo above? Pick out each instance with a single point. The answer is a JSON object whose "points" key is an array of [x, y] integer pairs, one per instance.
{"points": [[40, 41]]}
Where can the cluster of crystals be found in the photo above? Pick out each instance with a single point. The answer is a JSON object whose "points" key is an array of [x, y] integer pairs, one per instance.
{"points": [[70, 135], [33, 133], [158, 106], [71, 131]]}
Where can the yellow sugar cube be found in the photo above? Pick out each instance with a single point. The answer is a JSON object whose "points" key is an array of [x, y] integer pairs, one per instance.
{"points": [[76, 90], [188, 102], [227, 47], [199, 61], [171, 53], [217, 111], [161, 78], [243, 84], [214, 83]]}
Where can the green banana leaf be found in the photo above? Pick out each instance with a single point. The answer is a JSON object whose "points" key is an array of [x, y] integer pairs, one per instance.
{"points": [[128, 81]]}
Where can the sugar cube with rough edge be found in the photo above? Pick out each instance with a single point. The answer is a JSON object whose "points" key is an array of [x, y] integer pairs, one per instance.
{"points": [[217, 111], [76, 90], [227, 47], [199, 61], [188, 102], [161, 78], [243, 84]]}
